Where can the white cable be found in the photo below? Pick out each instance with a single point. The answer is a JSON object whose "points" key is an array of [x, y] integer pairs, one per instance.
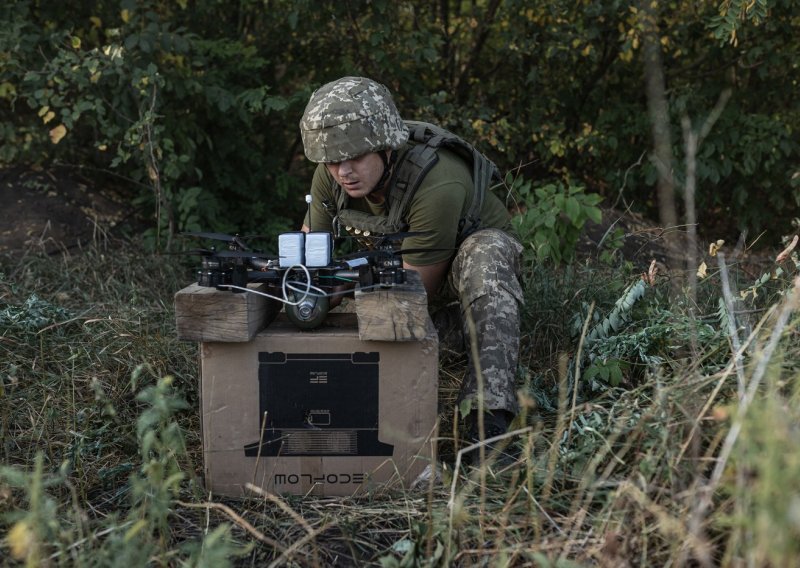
{"points": [[285, 298], [317, 292], [284, 281], [322, 293], [306, 288], [257, 293]]}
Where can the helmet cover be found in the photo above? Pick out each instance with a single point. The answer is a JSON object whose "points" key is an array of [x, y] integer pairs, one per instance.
{"points": [[350, 117]]}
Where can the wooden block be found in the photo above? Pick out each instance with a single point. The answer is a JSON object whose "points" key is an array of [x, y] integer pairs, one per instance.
{"points": [[399, 313], [206, 314]]}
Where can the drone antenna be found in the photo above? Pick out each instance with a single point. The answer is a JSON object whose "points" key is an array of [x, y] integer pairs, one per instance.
{"points": [[308, 202]]}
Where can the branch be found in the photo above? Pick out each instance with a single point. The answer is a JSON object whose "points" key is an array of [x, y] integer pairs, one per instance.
{"points": [[481, 35], [692, 142]]}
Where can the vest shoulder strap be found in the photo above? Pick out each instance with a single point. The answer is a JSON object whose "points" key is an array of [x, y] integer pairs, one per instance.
{"points": [[415, 165], [431, 138]]}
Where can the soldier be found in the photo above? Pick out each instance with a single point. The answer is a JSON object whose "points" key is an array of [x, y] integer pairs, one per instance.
{"points": [[380, 174]]}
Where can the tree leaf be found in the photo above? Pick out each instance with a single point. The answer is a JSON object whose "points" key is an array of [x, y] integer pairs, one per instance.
{"points": [[573, 209], [57, 133], [594, 214], [615, 374]]}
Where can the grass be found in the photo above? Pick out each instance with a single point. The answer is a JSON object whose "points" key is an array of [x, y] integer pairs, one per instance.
{"points": [[688, 459]]}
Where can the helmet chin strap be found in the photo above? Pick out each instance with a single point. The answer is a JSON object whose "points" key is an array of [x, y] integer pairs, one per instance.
{"points": [[388, 162]]}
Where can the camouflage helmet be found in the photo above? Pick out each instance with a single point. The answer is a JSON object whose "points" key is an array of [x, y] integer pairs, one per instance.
{"points": [[350, 117]]}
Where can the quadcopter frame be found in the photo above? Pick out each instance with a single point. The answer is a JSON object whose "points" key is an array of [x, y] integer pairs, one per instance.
{"points": [[305, 291]]}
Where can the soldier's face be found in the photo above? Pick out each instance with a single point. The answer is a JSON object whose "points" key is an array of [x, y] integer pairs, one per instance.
{"points": [[358, 176]]}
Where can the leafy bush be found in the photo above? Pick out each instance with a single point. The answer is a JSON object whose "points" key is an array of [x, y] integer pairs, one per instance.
{"points": [[174, 113], [552, 217], [198, 108]]}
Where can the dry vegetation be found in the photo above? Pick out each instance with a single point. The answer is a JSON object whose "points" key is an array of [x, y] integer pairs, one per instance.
{"points": [[665, 448]]}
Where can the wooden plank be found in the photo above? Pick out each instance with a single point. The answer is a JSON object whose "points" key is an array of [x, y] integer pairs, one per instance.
{"points": [[399, 313], [206, 314]]}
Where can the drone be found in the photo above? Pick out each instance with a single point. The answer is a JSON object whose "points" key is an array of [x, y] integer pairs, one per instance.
{"points": [[304, 276]]}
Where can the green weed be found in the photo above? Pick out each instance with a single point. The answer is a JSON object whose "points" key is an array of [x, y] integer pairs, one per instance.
{"points": [[678, 455]]}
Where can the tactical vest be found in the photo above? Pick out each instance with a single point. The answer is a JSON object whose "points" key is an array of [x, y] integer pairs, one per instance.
{"points": [[407, 177]]}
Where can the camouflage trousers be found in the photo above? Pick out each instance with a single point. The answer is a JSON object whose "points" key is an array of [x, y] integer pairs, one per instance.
{"points": [[483, 282]]}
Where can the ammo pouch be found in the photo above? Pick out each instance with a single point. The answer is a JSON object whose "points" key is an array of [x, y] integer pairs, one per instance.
{"points": [[376, 224]]}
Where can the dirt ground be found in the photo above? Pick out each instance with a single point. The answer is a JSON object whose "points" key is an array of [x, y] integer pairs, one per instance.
{"points": [[55, 210], [59, 209]]}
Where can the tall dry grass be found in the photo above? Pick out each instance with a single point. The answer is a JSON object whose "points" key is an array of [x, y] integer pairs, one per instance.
{"points": [[692, 458]]}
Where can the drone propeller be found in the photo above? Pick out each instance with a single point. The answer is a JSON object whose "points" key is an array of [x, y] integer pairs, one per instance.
{"points": [[392, 237], [415, 250], [226, 253], [202, 252], [212, 236], [376, 253], [245, 254], [235, 239], [223, 236], [362, 254]]}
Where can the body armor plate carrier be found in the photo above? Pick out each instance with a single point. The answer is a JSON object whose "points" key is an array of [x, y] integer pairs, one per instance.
{"points": [[408, 176]]}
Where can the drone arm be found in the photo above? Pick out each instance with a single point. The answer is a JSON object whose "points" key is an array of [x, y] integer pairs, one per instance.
{"points": [[338, 292], [432, 275], [260, 264]]}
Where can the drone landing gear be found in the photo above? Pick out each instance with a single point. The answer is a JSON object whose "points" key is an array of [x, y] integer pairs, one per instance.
{"points": [[308, 314]]}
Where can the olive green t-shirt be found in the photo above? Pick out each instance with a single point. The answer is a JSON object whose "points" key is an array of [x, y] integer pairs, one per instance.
{"points": [[441, 200]]}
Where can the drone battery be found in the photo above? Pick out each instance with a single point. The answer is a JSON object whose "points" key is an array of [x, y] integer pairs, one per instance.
{"points": [[319, 248], [291, 247]]}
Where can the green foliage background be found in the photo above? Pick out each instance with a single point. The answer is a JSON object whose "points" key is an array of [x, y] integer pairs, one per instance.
{"points": [[195, 104], [193, 107]]}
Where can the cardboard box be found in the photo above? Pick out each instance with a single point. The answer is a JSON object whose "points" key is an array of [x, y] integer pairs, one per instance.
{"points": [[317, 412]]}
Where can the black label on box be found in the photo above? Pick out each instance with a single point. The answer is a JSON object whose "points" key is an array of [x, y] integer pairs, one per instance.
{"points": [[318, 404]]}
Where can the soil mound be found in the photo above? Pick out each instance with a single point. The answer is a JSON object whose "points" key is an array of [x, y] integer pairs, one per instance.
{"points": [[55, 209]]}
